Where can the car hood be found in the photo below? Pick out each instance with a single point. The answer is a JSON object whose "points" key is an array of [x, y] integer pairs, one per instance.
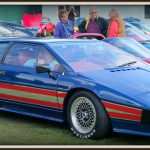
{"points": [[128, 80]]}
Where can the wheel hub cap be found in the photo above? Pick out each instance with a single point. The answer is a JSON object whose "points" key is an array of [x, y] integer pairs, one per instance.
{"points": [[83, 115]]}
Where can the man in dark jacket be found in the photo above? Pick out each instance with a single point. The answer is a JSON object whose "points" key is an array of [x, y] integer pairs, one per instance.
{"points": [[94, 24]]}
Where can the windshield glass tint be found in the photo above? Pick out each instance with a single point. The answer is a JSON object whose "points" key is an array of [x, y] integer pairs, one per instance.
{"points": [[92, 56], [131, 46]]}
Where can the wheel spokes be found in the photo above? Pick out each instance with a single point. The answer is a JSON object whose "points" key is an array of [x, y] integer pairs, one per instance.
{"points": [[83, 114]]}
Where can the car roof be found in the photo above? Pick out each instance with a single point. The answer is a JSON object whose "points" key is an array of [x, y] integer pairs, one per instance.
{"points": [[44, 40]]}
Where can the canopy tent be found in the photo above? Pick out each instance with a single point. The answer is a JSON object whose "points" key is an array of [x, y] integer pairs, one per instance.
{"points": [[32, 20]]}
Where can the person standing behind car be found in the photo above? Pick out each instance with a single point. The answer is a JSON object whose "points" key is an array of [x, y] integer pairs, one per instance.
{"points": [[71, 13], [116, 26], [64, 28], [94, 23]]}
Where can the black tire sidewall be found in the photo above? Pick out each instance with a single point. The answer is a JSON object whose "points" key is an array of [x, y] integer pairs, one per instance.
{"points": [[102, 124]]}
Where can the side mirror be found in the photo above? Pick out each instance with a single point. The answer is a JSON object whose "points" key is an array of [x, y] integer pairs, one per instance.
{"points": [[42, 69], [52, 74]]}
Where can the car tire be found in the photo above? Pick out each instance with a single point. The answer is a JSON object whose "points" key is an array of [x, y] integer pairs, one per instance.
{"points": [[87, 116], [44, 32]]}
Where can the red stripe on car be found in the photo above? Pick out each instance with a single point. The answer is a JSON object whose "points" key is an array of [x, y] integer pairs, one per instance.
{"points": [[62, 95], [32, 90], [124, 116], [122, 108], [31, 101]]}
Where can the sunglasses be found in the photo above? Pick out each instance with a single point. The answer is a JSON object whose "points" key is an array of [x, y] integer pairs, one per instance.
{"points": [[94, 12], [65, 15]]}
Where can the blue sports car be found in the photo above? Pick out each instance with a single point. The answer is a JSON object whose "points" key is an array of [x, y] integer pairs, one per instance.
{"points": [[90, 84], [144, 27], [15, 30], [135, 33]]}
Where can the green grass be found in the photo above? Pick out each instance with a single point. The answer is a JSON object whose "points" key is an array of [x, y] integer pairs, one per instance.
{"points": [[23, 130]]}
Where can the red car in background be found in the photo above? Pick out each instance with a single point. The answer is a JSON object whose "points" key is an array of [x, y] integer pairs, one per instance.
{"points": [[46, 27], [38, 24]]}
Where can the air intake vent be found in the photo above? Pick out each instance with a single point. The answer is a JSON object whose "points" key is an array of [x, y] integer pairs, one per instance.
{"points": [[123, 69]]}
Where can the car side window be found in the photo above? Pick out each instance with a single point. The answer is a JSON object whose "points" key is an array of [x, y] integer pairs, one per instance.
{"points": [[46, 58], [22, 55], [29, 55]]}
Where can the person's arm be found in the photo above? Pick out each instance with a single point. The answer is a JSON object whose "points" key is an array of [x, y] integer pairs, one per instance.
{"points": [[30, 62], [72, 26], [54, 65], [68, 12], [113, 31], [57, 31], [75, 14], [105, 27], [82, 27]]}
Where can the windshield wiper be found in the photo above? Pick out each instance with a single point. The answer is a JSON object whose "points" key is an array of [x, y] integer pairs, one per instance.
{"points": [[127, 64], [143, 41]]}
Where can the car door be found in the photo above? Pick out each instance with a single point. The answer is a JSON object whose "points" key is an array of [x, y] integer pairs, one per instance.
{"points": [[20, 82]]}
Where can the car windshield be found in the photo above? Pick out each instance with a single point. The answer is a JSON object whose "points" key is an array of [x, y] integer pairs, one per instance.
{"points": [[5, 31], [130, 45], [145, 27], [46, 20], [136, 34], [93, 55]]}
